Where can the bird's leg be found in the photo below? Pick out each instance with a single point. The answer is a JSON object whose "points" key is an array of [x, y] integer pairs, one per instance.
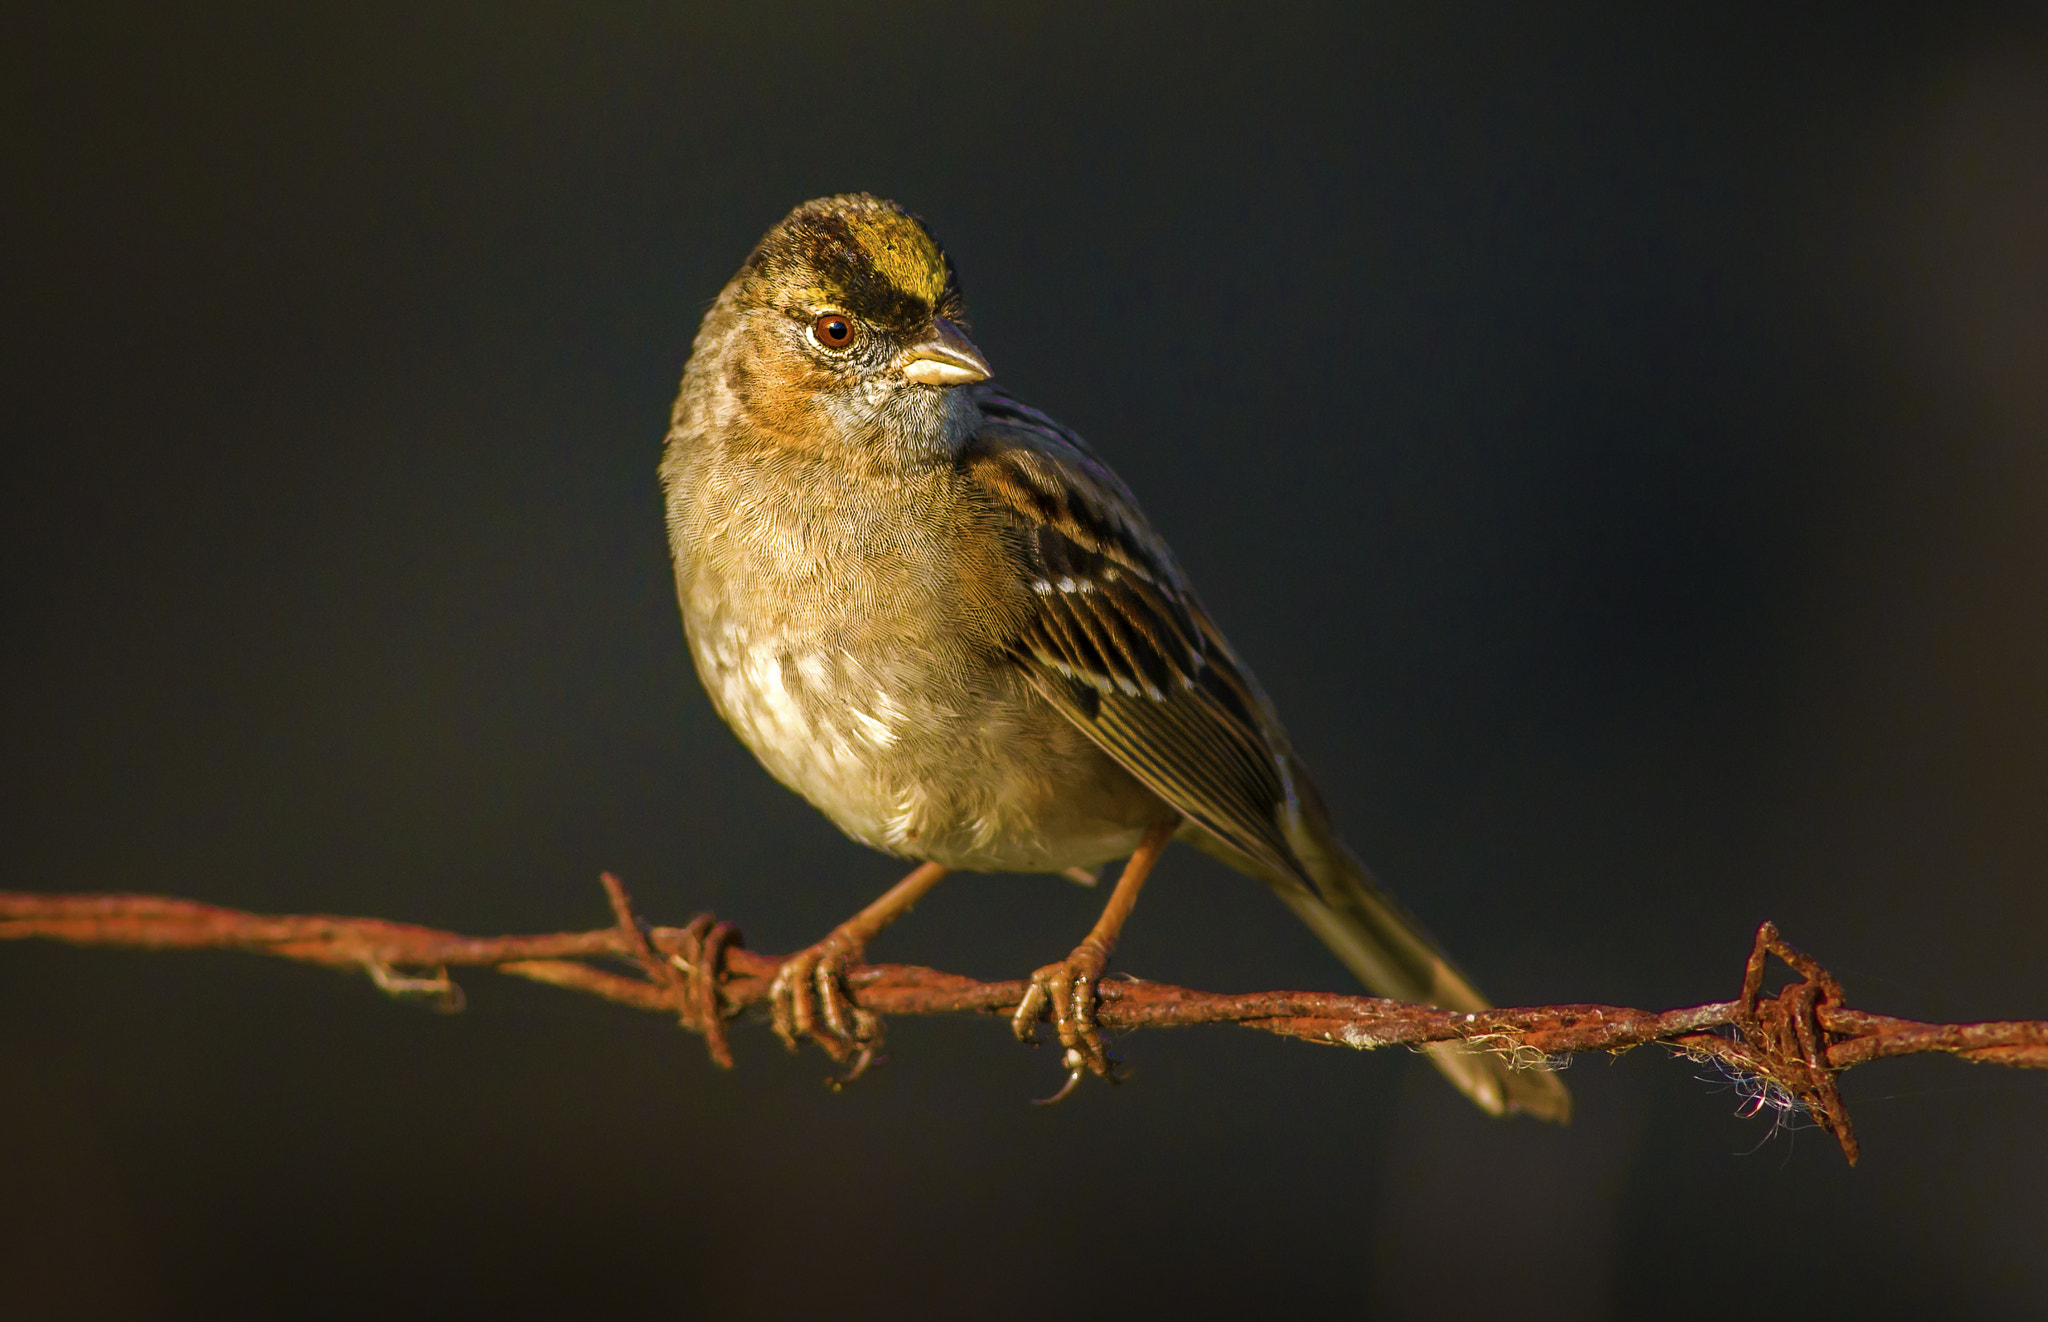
{"points": [[1070, 985], [808, 998]]}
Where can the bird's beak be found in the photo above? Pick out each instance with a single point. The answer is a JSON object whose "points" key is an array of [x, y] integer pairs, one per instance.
{"points": [[948, 358]]}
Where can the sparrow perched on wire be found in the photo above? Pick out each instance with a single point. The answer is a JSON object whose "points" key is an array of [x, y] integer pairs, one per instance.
{"points": [[936, 614]]}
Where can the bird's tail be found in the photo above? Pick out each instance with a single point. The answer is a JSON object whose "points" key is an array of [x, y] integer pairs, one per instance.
{"points": [[1387, 949], [1394, 957]]}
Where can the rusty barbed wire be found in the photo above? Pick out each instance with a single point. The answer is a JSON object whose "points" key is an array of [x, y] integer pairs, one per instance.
{"points": [[1798, 1039]]}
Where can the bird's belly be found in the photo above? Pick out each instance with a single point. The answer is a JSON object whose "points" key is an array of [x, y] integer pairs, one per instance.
{"points": [[952, 759]]}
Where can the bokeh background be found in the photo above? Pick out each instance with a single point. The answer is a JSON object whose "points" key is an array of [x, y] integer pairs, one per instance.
{"points": [[1617, 437]]}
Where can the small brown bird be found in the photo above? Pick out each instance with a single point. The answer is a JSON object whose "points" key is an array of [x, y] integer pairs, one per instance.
{"points": [[938, 616]]}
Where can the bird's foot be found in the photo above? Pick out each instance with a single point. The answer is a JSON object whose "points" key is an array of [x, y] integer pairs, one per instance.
{"points": [[809, 999], [1069, 988]]}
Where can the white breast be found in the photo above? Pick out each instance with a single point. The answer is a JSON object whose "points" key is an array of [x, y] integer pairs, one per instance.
{"points": [[790, 705], [982, 781]]}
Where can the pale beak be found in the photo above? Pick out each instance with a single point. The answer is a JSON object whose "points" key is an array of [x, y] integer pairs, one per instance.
{"points": [[948, 358]]}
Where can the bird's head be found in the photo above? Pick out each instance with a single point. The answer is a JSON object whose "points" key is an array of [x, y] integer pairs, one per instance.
{"points": [[849, 326]]}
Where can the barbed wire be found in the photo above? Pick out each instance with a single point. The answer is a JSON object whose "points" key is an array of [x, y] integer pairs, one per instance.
{"points": [[1793, 1042]]}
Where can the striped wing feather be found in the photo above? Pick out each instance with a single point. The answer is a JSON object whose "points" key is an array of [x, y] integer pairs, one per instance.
{"points": [[1119, 643]]}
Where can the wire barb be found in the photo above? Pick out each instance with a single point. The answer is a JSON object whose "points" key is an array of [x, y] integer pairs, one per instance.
{"points": [[688, 975], [1782, 1040], [440, 989]]}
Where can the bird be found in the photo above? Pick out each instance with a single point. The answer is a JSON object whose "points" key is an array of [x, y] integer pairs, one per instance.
{"points": [[939, 616]]}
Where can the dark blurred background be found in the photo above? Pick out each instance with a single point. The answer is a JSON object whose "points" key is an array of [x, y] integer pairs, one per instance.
{"points": [[1617, 437]]}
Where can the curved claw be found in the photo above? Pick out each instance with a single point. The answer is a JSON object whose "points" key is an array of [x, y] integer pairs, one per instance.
{"points": [[808, 999], [864, 1058], [1075, 1069], [1069, 988]]}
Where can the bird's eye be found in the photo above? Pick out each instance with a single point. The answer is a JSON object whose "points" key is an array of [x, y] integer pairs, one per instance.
{"points": [[833, 330]]}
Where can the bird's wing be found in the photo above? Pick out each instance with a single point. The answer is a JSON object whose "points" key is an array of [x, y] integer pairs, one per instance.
{"points": [[1118, 642]]}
